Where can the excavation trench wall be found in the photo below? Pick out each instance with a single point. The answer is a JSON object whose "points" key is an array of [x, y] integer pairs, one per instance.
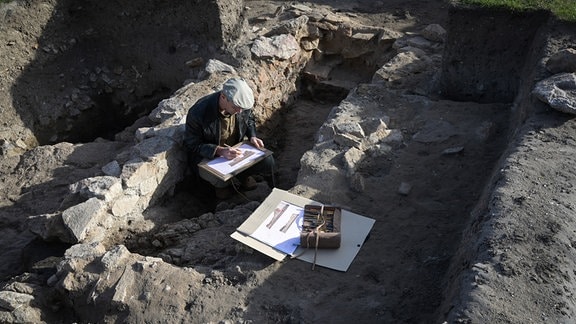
{"points": [[480, 269], [99, 67], [484, 58]]}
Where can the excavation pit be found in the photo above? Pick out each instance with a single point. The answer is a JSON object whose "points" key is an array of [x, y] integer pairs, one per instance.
{"points": [[423, 166]]}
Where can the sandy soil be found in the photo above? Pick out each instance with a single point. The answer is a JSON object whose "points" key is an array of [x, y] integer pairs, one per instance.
{"points": [[418, 246]]}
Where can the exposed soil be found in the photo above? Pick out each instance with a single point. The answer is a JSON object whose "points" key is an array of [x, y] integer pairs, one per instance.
{"points": [[419, 244]]}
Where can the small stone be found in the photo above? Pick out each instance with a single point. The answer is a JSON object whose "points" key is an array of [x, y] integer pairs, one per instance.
{"points": [[404, 188], [195, 62], [453, 150]]}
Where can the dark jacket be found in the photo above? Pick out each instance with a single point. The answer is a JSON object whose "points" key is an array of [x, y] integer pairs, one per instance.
{"points": [[202, 132]]}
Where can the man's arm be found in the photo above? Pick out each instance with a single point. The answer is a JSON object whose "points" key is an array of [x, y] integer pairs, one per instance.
{"points": [[195, 138], [251, 123], [251, 129]]}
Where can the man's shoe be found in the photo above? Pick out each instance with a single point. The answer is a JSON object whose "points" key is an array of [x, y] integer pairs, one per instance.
{"points": [[248, 184], [223, 193]]}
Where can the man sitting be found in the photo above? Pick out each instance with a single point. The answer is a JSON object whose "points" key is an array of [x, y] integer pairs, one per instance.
{"points": [[217, 122]]}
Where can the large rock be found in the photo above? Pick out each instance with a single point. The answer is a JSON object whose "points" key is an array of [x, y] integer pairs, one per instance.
{"points": [[562, 62], [558, 91], [281, 47]]}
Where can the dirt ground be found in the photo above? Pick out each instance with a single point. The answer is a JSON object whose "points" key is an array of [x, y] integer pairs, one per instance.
{"points": [[401, 273]]}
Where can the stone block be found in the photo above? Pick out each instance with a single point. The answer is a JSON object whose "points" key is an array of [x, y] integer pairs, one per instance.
{"points": [[125, 205], [10, 300], [137, 171], [103, 187], [80, 219]]}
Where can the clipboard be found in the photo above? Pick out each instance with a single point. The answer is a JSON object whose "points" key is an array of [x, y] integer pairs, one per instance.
{"points": [[225, 169]]}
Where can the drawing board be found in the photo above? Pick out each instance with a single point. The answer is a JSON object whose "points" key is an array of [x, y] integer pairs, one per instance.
{"points": [[226, 169]]}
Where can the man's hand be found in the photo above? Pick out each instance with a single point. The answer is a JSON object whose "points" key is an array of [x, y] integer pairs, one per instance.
{"points": [[229, 152], [257, 142]]}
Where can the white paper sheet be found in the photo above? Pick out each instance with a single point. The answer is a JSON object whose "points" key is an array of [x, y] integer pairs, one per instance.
{"points": [[281, 229], [225, 166]]}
